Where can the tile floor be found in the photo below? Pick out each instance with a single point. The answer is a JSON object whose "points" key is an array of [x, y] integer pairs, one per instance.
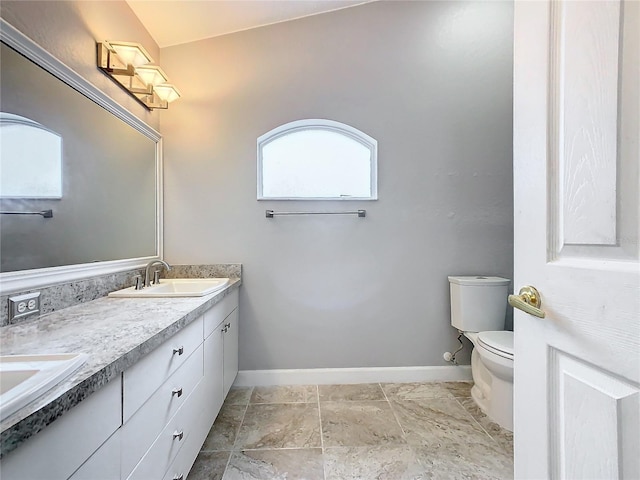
{"points": [[366, 432]]}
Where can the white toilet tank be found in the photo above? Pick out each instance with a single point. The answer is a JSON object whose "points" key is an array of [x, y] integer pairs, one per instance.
{"points": [[478, 303]]}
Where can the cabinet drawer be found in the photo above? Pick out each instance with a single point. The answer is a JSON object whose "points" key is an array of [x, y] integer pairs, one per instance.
{"points": [[144, 378], [187, 455], [58, 450], [143, 427], [216, 314], [160, 456]]}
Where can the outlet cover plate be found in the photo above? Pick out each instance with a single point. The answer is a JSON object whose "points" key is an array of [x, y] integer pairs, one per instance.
{"points": [[24, 305]]}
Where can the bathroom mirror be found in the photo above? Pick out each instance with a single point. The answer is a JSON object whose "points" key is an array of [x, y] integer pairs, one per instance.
{"points": [[106, 216]]}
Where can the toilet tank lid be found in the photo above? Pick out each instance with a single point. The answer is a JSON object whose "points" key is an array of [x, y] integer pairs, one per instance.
{"points": [[479, 280]]}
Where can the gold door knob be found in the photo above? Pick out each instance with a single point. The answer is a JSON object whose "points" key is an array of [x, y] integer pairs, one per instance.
{"points": [[528, 300]]}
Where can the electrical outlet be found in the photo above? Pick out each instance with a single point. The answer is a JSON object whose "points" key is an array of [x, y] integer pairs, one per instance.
{"points": [[24, 305]]}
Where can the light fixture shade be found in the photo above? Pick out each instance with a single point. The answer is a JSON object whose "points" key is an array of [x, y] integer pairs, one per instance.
{"points": [[127, 64], [151, 75], [167, 92], [130, 53]]}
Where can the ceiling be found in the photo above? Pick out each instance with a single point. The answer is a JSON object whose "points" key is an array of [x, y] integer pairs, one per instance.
{"points": [[172, 22]]}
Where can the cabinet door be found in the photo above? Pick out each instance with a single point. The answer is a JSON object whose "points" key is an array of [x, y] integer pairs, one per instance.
{"points": [[213, 373], [230, 351]]}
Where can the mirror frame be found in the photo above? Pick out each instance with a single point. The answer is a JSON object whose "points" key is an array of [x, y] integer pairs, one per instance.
{"points": [[11, 282]]}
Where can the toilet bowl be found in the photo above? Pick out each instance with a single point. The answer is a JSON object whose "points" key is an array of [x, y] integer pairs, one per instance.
{"points": [[478, 308], [493, 376]]}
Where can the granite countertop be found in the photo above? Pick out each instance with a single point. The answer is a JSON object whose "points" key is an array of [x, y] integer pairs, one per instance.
{"points": [[115, 332]]}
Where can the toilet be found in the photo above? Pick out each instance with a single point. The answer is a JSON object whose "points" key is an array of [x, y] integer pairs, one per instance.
{"points": [[478, 309]]}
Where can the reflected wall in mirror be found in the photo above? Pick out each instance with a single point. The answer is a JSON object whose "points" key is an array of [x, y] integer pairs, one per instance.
{"points": [[108, 207]]}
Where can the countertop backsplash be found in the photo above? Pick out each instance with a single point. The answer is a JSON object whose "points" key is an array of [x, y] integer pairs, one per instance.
{"points": [[57, 297]]}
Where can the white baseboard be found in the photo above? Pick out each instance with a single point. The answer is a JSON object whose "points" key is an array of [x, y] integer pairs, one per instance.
{"points": [[332, 376]]}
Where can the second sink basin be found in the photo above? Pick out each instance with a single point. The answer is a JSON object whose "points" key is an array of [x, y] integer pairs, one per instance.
{"points": [[176, 287], [25, 377]]}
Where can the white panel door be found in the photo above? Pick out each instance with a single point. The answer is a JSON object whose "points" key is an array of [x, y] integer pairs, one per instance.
{"points": [[576, 181]]}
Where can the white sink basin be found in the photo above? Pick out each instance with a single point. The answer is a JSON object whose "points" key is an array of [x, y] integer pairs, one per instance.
{"points": [[176, 287], [23, 378]]}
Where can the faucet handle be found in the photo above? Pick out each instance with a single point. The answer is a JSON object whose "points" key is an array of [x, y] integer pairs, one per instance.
{"points": [[138, 280], [156, 277]]}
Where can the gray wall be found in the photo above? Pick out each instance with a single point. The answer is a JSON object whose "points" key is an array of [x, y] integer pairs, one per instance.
{"points": [[432, 82]]}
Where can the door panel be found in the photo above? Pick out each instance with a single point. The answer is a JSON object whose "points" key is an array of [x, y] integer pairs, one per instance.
{"points": [[584, 79], [592, 407], [576, 229]]}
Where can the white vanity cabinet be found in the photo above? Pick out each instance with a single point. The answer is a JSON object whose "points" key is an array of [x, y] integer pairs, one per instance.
{"points": [[220, 369], [148, 423], [165, 428], [155, 390]]}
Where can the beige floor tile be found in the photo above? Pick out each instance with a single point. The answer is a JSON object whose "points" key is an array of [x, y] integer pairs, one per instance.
{"points": [[285, 394], [457, 461], [287, 425], [379, 463], [284, 464], [436, 420], [209, 466], [351, 393], [223, 433], [239, 396], [459, 389], [355, 424], [413, 431], [501, 435], [411, 391]]}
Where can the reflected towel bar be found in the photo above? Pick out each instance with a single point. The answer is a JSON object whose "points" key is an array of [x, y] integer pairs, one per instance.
{"points": [[359, 213], [44, 213]]}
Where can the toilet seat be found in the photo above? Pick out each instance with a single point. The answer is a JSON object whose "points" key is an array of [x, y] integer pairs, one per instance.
{"points": [[499, 343]]}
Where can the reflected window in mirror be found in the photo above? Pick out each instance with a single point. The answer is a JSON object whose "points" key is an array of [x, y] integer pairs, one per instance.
{"points": [[317, 160], [30, 159]]}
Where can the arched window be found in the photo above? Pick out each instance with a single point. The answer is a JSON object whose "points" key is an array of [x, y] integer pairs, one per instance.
{"points": [[317, 160]]}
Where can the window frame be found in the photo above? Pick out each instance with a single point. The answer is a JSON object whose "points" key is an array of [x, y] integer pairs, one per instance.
{"points": [[327, 125]]}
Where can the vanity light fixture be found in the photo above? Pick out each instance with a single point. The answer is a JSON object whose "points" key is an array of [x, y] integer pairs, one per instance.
{"points": [[129, 64]]}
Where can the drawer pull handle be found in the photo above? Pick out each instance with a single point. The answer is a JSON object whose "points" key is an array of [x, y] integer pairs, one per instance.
{"points": [[179, 350], [176, 391], [178, 435], [227, 325], [225, 329], [178, 477]]}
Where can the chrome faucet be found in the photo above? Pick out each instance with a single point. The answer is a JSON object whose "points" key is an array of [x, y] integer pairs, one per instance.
{"points": [[148, 269]]}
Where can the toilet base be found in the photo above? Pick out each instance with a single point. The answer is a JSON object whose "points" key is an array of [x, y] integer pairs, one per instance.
{"points": [[493, 395]]}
